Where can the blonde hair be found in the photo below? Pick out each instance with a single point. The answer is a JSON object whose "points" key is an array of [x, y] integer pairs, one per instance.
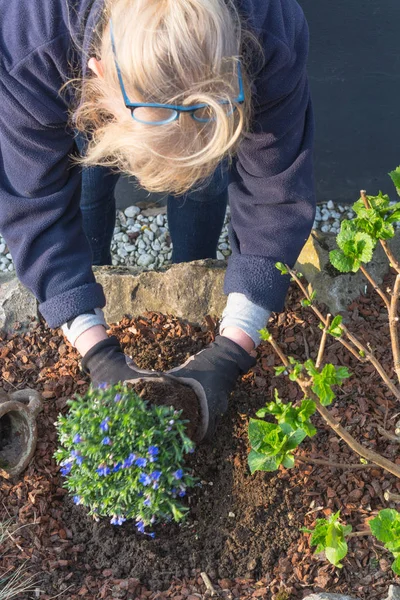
{"points": [[171, 52]]}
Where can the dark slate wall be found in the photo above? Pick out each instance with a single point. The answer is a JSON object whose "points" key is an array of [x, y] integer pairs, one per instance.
{"points": [[355, 79]]}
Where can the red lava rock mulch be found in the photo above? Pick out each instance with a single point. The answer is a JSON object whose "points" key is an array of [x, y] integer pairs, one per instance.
{"points": [[242, 530]]}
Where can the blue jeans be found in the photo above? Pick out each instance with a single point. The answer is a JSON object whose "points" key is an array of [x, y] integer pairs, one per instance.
{"points": [[195, 220]]}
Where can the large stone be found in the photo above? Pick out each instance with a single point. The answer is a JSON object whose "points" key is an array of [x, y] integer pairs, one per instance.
{"points": [[334, 289], [324, 596], [188, 290], [16, 303], [394, 593]]}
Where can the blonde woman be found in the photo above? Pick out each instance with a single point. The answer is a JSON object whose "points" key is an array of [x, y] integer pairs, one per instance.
{"points": [[174, 93]]}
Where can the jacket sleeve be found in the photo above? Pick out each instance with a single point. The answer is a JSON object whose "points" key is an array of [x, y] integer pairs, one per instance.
{"points": [[271, 192], [40, 217]]}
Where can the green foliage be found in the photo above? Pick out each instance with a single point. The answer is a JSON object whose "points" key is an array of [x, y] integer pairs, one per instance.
{"points": [[295, 369], [308, 302], [395, 177], [386, 528], [265, 335], [282, 268], [124, 458], [273, 444], [291, 417], [356, 247], [335, 328], [330, 537], [325, 379]]}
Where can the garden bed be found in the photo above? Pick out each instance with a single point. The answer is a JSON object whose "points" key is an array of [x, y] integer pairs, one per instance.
{"points": [[242, 530]]}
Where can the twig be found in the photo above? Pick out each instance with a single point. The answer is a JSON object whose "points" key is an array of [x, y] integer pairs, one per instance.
{"points": [[390, 497], [323, 341], [393, 325], [369, 455], [389, 436], [334, 465], [208, 584], [375, 286], [368, 355], [354, 534]]}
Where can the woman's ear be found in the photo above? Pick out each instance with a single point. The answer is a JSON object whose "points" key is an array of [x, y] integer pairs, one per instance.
{"points": [[97, 67]]}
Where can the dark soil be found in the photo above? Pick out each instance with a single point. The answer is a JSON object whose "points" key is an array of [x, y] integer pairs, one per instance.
{"points": [[181, 397], [242, 530]]}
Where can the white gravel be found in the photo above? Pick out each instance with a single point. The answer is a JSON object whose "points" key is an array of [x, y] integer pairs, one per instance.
{"points": [[144, 241]]}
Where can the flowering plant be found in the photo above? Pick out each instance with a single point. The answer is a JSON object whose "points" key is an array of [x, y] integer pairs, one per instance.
{"points": [[124, 458]]}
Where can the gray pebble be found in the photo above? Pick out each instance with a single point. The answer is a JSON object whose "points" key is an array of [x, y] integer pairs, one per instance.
{"points": [[132, 211], [330, 205], [220, 256], [145, 260], [154, 228], [160, 220]]}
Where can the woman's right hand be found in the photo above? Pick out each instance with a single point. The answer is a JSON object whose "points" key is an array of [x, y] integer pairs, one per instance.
{"points": [[106, 363]]}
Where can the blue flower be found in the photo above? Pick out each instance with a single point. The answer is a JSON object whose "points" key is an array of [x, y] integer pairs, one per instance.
{"points": [[178, 474], [77, 499], [155, 486], [141, 462], [174, 491], [118, 397], [103, 471], [140, 526], [147, 502], [128, 462], [153, 451], [66, 469], [117, 467], [171, 422], [106, 441], [77, 439], [117, 520], [79, 460], [144, 479], [152, 535], [104, 424], [102, 386], [74, 453], [182, 493], [155, 475]]}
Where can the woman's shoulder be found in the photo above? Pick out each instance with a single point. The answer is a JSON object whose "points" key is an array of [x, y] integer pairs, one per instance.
{"points": [[281, 19], [27, 27]]}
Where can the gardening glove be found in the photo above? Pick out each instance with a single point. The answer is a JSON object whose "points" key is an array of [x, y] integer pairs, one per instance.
{"points": [[212, 374], [106, 363]]}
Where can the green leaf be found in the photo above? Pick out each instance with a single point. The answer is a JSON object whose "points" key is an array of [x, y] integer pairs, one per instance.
{"points": [[386, 525], [282, 268], [364, 247], [335, 327], [262, 462], [279, 370], [329, 537], [258, 431], [261, 413], [395, 177], [343, 263], [323, 382], [304, 303], [396, 566], [265, 335], [346, 234], [295, 439], [288, 461]]}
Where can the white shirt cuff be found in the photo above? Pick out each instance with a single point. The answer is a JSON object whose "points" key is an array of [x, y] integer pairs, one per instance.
{"points": [[240, 312]]}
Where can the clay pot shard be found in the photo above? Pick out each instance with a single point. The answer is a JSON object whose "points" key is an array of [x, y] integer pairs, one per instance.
{"points": [[18, 430]]}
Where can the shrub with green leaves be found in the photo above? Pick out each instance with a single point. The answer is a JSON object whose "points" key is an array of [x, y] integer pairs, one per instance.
{"points": [[357, 238], [386, 528], [329, 535], [123, 457], [273, 445]]}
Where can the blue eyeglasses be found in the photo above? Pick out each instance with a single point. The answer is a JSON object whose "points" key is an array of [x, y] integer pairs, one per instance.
{"points": [[167, 113]]}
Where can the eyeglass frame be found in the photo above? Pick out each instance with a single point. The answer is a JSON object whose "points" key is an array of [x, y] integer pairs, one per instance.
{"points": [[178, 109]]}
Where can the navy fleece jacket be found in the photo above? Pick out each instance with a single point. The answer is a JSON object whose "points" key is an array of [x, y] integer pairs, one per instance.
{"points": [[271, 193]]}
